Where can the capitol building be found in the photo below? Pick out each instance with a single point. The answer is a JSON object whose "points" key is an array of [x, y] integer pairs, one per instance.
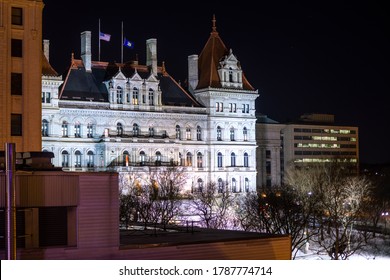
{"points": [[136, 118]]}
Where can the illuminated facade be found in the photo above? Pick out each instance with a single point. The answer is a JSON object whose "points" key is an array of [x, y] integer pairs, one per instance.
{"points": [[20, 78], [314, 138], [136, 118]]}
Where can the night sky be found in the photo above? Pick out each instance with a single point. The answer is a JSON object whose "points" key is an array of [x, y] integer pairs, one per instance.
{"points": [[303, 57]]}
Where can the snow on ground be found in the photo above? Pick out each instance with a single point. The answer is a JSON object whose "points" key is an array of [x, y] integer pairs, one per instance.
{"points": [[377, 249]]}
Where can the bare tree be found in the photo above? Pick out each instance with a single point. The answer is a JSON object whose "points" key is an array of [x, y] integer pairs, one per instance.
{"points": [[213, 206], [340, 197], [169, 182]]}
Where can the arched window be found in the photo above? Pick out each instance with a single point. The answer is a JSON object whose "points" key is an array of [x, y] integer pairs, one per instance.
{"points": [[135, 96], [189, 159], [45, 128], [77, 130], [199, 160], [90, 159], [181, 160], [220, 185], [158, 158], [234, 185], [142, 158], [119, 129], [200, 185], [151, 131], [232, 159], [219, 133], [219, 160], [246, 185], [77, 159], [65, 159], [178, 132], [64, 129], [135, 130], [126, 158], [246, 160], [188, 133], [198, 133], [90, 130], [245, 133], [119, 95], [232, 134], [151, 96]]}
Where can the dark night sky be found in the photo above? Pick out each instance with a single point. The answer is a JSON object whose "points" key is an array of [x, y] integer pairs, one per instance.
{"points": [[303, 57]]}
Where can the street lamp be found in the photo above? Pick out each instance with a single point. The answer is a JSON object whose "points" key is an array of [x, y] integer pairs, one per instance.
{"points": [[385, 215]]}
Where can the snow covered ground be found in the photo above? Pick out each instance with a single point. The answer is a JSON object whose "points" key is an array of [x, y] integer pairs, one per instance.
{"points": [[377, 249]]}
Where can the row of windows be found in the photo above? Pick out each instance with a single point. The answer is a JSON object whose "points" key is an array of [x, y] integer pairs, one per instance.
{"points": [[234, 187], [143, 159], [352, 160], [333, 131], [325, 145], [136, 131], [333, 153], [324, 138], [232, 107], [134, 98]]}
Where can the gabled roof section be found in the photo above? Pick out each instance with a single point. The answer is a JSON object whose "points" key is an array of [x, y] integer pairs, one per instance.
{"points": [[47, 69], [208, 61], [83, 85]]}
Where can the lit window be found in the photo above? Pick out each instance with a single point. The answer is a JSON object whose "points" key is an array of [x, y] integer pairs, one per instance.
{"points": [[135, 96], [90, 130], [77, 130], [219, 133], [189, 159], [188, 133], [77, 159], [64, 129], [178, 133], [199, 160]]}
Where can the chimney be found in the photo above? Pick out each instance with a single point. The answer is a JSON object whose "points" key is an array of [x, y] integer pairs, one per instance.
{"points": [[193, 78], [86, 49], [46, 47], [151, 55]]}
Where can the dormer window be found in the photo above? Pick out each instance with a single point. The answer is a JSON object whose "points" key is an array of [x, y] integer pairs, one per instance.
{"points": [[230, 72]]}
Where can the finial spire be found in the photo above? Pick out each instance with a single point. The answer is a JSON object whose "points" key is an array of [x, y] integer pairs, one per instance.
{"points": [[214, 28]]}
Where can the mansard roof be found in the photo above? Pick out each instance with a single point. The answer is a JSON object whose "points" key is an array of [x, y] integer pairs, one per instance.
{"points": [[209, 59], [80, 84]]}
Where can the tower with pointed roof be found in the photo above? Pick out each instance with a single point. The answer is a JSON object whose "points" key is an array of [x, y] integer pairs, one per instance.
{"points": [[218, 82]]}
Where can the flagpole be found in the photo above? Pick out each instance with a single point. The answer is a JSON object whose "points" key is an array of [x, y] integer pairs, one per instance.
{"points": [[122, 45], [99, 39]]}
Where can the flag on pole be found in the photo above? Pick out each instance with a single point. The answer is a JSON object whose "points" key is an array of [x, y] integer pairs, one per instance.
{"points": [[128, 43], [104, 36]]}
